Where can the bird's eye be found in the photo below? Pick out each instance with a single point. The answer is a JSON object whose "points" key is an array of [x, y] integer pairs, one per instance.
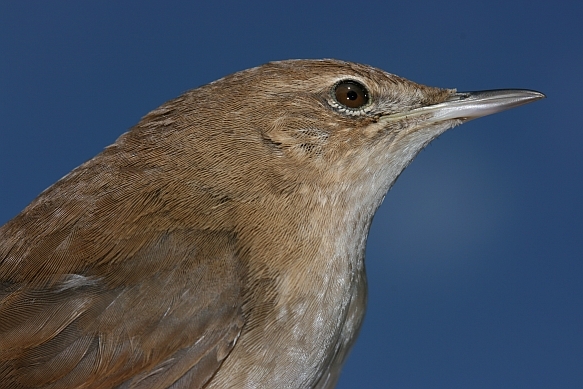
{"points": [[351, 94]]}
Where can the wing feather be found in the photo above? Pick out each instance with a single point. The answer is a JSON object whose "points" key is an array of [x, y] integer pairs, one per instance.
{"points": [[169, 322]]}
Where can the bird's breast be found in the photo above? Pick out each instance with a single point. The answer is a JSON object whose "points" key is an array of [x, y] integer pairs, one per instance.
{"points": [[301, 326]]}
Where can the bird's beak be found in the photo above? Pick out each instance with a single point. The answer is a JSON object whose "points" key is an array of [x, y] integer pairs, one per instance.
{"points": [[470, 105]]}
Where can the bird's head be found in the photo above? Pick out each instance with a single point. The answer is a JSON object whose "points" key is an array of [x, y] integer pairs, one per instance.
{"points": [[322, 124]]}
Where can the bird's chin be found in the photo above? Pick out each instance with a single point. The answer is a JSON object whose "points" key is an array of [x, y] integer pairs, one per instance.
{"points": [[411, 140]]}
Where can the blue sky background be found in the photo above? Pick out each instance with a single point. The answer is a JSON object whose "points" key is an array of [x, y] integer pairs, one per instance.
{"points": [[475, 257]]}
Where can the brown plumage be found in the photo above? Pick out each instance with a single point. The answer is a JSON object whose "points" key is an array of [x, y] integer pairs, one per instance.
{"points": [[220, 242]]}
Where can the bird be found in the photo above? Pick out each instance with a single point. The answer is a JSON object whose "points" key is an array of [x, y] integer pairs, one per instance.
{"points": [[220, 242]]}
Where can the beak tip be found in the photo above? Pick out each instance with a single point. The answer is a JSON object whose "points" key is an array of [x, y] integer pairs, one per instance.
{"points": [[540, 95]]}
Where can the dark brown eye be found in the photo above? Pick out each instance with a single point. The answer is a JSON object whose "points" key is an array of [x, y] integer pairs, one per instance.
{"points": [[351, 94]]}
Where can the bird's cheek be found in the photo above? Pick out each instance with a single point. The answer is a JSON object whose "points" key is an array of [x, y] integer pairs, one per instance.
{"points": [[374, 130]]}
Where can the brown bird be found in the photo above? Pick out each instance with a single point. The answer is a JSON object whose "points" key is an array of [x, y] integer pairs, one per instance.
{"points": [[220, 242]]}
